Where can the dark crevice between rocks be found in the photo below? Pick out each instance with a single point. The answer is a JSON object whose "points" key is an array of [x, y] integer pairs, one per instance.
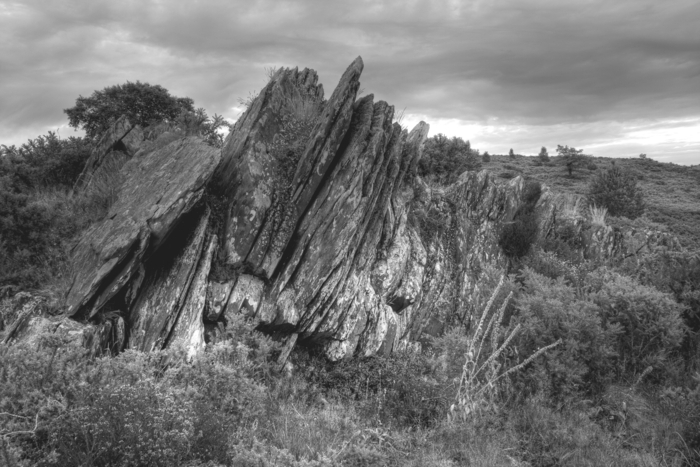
{"points": [[158, 262], [84, 311]]}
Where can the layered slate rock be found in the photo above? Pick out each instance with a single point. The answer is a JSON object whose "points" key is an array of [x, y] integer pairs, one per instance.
{"points": [[266, 188], [160, 189], [165, 288]]}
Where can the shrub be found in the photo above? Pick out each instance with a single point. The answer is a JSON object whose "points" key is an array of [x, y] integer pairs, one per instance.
{"points": [[445, 159], [44, 161], [617, 190], [397, 390], [486, 157], [651, 321], [543, 156], [549, 310], [133, 409]]}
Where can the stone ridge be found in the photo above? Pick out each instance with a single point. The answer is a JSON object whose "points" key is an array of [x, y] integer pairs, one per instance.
{"points": [[312, 222]]}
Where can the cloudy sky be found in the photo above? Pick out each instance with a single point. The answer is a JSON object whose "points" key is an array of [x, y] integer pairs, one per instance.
{"points": [[615, 78]]}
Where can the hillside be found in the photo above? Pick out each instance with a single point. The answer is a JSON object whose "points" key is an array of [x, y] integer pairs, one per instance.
{"points": [[672, 192], [324, 288]]}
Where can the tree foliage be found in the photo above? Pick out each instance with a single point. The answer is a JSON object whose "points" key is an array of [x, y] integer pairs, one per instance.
{"points": [[43, 161], [445, 159], [617, 190], [543, 155], [142, 103], [572, 157], [35, 214]]}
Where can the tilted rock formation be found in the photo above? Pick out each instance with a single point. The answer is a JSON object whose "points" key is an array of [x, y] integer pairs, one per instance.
{"points": [[311, 220], [160, 189]]}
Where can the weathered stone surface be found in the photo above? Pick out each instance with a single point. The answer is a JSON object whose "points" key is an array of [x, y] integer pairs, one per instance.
{"points": [[265, 202], [217, 298], [165, 290], [189, 329], [246, 296], [159, 190]]}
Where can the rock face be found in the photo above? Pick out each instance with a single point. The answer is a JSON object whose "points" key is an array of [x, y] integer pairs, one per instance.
{"points": [[311, 220], [160, 189]]}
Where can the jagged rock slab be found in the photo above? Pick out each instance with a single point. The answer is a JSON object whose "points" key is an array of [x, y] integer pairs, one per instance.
{"points": [[159, 189], [264, 202], [330, 231], [165, 291], [189, 328]]}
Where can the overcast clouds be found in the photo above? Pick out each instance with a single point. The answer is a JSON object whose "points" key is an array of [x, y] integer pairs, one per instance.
{"points": [[614, 78]]}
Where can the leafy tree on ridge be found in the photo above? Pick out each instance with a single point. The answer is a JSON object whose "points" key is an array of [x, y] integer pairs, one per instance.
{"points": [[142, 104]]}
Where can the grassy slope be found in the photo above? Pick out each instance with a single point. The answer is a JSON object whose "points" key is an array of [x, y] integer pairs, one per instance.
{"points": [[672, 192]]}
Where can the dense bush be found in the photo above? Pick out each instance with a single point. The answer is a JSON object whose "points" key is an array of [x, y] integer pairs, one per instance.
{"points": [[38, 215], [134, 409], [445, 159], [617, 190], [651, 321], [384, 391], [43, 161], [550, 309], [611, 327]]}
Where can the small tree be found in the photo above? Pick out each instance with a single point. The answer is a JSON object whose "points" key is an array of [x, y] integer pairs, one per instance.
{"points": [[572, 157], [642, 156], [543, 155], [142, 104], [617, 190], [511, 153], [486, 157]]}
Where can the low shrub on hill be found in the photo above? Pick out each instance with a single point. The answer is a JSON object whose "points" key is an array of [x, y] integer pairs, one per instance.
{"points": [[617, 190]]}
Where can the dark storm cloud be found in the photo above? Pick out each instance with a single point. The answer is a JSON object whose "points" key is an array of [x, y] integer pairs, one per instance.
{"points": [[523, 71]]}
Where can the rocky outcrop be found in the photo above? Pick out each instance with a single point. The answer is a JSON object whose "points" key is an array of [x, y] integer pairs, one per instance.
{"points": [[160, 189], [311, 221]]}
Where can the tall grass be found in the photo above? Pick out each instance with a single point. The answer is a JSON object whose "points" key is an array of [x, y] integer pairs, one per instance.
{"points": [[477, 386], [598, 215]]}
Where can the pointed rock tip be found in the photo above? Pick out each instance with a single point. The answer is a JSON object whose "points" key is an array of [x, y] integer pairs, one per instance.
{"points": [[421, 129], [357, 65]]}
